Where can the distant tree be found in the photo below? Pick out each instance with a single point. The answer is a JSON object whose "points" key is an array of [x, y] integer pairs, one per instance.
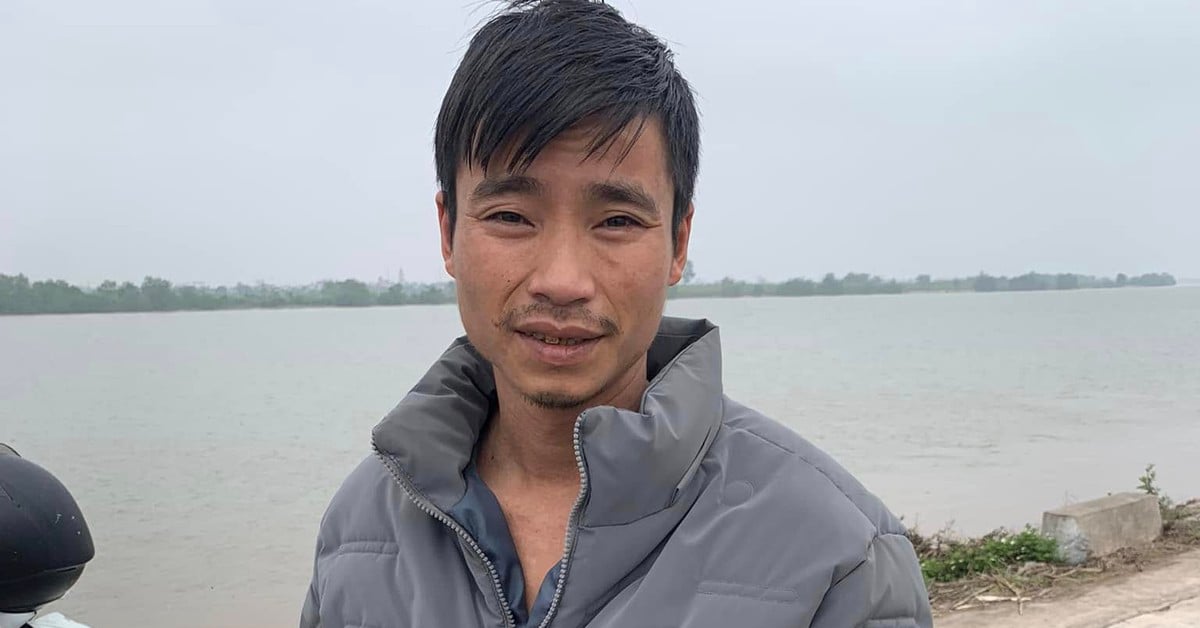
{"points": [[985, 283], [830, 285], [15, 295], [158, 294], [1153, 279], [58, 296], [923, 281], [797, 288], [347, 293], [129, 298], [1028, 281], [689, 272], [1122, 279], [731, 287], [194, 298], [1066, 281], [108, 296], [270, 296], [394, 295], [433, 294]]}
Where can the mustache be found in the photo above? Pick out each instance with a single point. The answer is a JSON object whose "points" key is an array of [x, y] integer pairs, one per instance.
{"points": [[559, 314]]}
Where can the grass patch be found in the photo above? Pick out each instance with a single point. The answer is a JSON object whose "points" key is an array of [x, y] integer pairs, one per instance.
{"points": [[944, 559]]}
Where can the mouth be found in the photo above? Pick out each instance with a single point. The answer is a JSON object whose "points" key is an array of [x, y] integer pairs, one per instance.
{"points": [[556, 340], [558, 347]]}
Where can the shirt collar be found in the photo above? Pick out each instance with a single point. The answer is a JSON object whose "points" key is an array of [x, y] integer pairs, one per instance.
{"points": [[636, 461]]}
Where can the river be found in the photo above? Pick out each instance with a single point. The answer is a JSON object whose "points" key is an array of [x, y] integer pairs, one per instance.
{"points": [[203, 447]]}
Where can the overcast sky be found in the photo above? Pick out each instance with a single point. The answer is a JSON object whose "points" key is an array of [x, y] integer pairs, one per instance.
{"points": [[291, 140]]}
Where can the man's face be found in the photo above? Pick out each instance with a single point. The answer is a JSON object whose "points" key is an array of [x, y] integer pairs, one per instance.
{"points": [[562, 270]]}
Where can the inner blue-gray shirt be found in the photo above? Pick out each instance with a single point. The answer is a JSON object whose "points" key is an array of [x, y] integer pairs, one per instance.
{"points": [[479, 513]]}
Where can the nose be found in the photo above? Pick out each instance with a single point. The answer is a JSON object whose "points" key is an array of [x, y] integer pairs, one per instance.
{"points": [[564, 273]]}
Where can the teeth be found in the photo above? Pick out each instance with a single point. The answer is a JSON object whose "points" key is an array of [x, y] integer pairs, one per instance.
{"points": [[551, 340]]}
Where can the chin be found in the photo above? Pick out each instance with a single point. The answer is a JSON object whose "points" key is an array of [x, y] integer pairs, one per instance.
{"points": [[555, 400], [561, 394]]}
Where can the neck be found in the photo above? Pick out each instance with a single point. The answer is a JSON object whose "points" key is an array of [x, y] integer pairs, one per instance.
{"points": [[535, 445]]}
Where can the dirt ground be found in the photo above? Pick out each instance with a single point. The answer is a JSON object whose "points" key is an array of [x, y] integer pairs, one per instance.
{"points": [[1040, 582]]}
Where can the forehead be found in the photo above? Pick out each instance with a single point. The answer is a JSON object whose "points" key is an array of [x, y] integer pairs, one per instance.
{"points": [[637, 151]]}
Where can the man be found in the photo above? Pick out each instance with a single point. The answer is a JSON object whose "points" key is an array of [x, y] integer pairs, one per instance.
{"points": [[572, 461]]}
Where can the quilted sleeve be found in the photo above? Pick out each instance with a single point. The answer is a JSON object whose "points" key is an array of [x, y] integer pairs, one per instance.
{"points": [[885, 590], [310, 614]]}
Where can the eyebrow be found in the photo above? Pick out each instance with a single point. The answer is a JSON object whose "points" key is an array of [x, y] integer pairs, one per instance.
{"points": [[624, 193], [509, 184], [618, 192]]}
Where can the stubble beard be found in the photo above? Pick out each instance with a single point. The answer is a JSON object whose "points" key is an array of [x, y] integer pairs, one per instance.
{"points": [[553, 401]]}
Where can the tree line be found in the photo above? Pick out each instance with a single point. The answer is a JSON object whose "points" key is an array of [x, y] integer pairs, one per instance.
{"points": [[19, 295], [862, 283]]}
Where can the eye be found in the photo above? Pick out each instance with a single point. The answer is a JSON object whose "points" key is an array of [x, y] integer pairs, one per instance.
{"points": [[508, 218], [620, 222]]}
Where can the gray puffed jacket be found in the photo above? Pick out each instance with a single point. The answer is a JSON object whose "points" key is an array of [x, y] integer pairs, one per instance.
{"points": [[695, 511]]}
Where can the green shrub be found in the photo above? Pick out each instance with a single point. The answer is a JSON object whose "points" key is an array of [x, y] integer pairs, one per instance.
{"points": [[1148, 483], [993, 552]]}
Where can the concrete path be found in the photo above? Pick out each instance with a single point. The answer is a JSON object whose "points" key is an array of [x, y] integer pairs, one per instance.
{"points": [[1182, 614], [1166, 595]]}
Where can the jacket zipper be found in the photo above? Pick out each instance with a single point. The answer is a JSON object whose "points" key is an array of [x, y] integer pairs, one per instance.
{"points": [[568, 543], [572, 523], [423, 504]]}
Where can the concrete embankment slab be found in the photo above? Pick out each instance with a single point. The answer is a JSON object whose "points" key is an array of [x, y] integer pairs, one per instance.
{"points": [[1102, 526]]}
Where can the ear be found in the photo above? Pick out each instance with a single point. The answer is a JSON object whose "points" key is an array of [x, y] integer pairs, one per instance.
{"points": [[447, 230], [682, 236]]}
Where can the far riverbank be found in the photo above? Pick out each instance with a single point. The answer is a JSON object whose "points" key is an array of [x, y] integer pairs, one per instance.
{"points": [[18, 295]]}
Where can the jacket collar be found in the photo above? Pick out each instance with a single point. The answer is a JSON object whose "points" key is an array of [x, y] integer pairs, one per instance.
{"points": [[636, 462]]}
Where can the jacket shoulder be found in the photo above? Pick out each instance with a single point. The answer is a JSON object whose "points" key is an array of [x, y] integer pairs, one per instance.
{"points": [[824, 477], [367, 508], [859, 567]]}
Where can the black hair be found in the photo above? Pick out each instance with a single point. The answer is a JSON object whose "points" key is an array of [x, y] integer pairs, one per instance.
{"points": [[542, 66]]}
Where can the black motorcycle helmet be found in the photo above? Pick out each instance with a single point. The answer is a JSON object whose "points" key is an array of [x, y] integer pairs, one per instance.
{"points": [[44, 541]]}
